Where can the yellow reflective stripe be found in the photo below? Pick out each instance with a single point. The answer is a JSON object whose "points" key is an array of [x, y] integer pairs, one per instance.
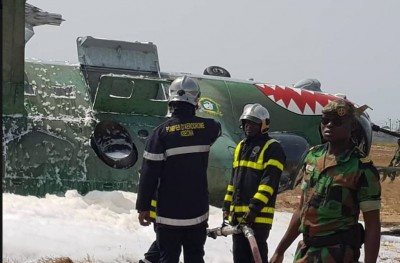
{"points": [[228, 198], [261, 197], [236, 155], [266, 188], [250, 164], [245, 208], [275, 163], [259, 220], [154, 203], [230, 188], [268, 143], [258, 166], [263, 220], [153, 214]]}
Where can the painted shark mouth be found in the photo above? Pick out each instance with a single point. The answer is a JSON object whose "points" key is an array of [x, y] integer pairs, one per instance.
{"points": [[299, 101]]}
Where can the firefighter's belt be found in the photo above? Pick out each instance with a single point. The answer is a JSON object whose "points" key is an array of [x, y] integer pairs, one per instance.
{"points": [[353, 237]]}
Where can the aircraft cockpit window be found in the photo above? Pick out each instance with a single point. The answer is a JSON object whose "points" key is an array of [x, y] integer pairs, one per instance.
{"points": [[67, 92], [113, 145], [163, 92], [121, 89]]}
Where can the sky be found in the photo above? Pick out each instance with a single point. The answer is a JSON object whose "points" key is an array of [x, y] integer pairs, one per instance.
{"points": [[351, 47], [103, 227]]}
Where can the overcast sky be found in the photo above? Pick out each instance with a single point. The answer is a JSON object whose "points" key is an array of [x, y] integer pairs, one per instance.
{"points": [[351, 47]]}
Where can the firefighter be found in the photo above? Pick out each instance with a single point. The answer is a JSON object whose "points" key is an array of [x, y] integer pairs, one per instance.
{"points": [[153, 253], [339, 181], [175, 164], [251, 194]]}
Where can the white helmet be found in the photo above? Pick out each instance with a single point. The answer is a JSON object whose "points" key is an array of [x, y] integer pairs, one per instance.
{"points": [[184, 89], [256, 113]]}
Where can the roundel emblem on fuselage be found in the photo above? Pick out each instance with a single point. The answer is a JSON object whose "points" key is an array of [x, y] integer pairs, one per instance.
{"points": [[209, 106]]}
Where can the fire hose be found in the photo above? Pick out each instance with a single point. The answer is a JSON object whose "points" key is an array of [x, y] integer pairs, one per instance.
{"points": [[248, 232]]}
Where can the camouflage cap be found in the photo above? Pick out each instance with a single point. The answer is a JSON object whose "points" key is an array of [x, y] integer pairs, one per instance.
{"points": [[341, 107]]}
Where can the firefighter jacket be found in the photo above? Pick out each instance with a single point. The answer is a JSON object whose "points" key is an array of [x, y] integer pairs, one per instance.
{"points": [[175, 164], [257, 167]]}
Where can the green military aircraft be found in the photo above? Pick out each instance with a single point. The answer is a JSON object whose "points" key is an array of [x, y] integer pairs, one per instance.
{"points": [[84, 126]]}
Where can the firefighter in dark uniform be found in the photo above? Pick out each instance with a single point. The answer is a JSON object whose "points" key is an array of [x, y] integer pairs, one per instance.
{"points": [[153, 253], [175, 164], [251, 194]]}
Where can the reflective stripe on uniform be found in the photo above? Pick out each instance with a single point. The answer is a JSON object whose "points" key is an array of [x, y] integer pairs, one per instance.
{"points": [[153, 214], [229, 192], [263, 220], [261, 157], [182, 222], [245, 208], [266, 188], [264, 217], [259, 165], [153, 156], [275, 163], [261, 197], [228, 198], [187, 149]]}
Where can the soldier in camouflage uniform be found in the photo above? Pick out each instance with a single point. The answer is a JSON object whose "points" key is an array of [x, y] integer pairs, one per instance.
{"points": [[338, 182], [395, 162]]}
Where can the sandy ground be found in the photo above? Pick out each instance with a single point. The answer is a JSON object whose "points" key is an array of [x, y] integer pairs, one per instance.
{"points": [[390, 213]]}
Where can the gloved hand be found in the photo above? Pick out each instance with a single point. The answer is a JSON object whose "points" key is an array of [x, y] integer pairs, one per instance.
{"points": [[250, 216], [225, 215]]}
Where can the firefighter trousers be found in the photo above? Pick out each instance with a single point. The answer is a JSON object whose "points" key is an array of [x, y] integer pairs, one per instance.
{"points": [[171, 240], [241, 247]]}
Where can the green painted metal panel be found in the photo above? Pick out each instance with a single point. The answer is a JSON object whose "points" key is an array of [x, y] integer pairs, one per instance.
{"points": [[55, 90], [130, 95], [13, 23]]}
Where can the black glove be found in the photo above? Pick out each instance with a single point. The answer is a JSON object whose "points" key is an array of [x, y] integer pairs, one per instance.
{"points": [[250, 216]]}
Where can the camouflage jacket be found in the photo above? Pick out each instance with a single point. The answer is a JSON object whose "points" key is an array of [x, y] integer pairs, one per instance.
{"points": [[396, 157], [336, 189]]}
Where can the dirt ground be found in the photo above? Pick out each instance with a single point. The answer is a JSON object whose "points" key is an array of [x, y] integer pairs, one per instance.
{"points": [[390, 213]]}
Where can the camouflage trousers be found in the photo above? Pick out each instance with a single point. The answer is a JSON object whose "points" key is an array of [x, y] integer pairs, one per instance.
{"points": [[332, 254]]}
